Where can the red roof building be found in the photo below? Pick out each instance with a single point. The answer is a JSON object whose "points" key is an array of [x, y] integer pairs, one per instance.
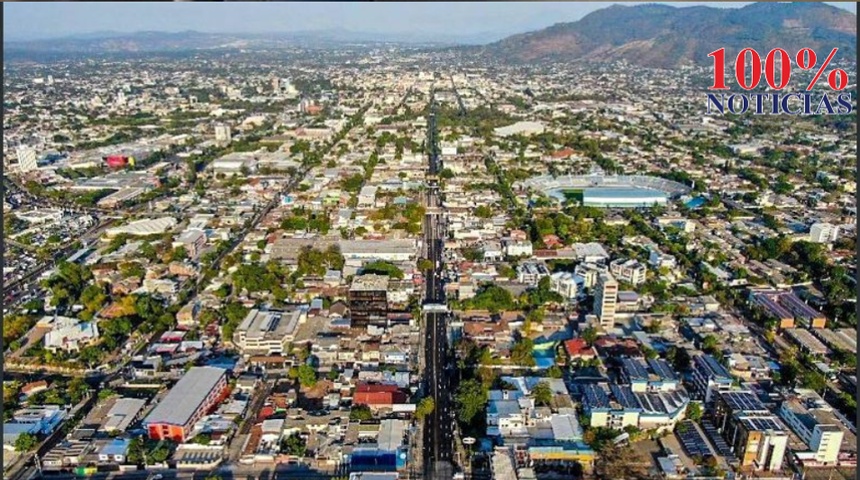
{"points": [[374, 395], [577, 348]]}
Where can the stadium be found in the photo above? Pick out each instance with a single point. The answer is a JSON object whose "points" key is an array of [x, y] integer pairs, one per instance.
{"points": [[607, 191]]}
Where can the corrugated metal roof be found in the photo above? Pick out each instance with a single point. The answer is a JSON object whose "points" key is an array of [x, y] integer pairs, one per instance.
{"points": [[186, 396]]}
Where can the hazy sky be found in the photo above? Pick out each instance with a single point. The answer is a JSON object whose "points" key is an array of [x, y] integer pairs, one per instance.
{"points": [[25, 20]]}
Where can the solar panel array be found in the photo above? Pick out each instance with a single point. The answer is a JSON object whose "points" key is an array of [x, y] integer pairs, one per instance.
{"points": [[761, 423], [718, 442], [624, 395], [743, 401], [595, 396], [661, 367], [634, 369], [692, 440]]}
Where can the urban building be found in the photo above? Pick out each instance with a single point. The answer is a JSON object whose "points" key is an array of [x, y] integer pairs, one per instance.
{"points": [[605, 299], [200, 389], [193, 240], [630, 271], [267, 332], [823, 233], [530, 273], [565, 284], [223, 134], [709, 377], [812, 419], [368, 300], [27, 158]]}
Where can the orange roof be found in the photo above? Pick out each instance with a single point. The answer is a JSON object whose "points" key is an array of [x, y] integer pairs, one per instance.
{"points": [[563, 153], [576, 347]]}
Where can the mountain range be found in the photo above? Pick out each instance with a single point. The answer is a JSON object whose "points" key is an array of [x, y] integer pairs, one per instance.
{"points": [[649, 35], [655, 35]]}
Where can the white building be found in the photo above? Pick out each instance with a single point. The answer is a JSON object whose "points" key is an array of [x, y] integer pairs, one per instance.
{"points": [[27, 159], [267, 332], [605, 299], [813, 421], [823, 233], [518, 248], [658, 259], [68, 334], [193, 240], [531, 272], [630, 271], [223, 134], [564, 283]]}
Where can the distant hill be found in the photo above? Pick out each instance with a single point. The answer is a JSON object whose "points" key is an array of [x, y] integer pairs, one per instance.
{"points": [[121, 42], [663, 36]]}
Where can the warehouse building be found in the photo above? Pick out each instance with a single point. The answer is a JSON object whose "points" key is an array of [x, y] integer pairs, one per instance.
{"points": [[197, 392]]}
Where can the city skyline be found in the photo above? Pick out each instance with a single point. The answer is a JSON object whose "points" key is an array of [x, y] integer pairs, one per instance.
{"points": [[36, 21]]}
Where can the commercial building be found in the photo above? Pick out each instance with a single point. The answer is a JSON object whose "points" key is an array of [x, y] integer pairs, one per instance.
{"points": [[368, 300], [630, 271], [564, 283], [267, 332], [68, 334], [530, 273], [757, 437], [760, 443], [806, 341], [812, 419], [197, 392], [121, 415], [787, 307], [605, 299], [709, 377], [823, 233], [387, 250], [618, 406], [193, 240], [143, 227]]}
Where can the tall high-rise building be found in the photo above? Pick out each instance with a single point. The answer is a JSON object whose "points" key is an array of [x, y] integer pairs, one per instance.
{"points": [[223, 134], [276, 85], [605, 299], [368, 300], [823, 233], [27, 158]]}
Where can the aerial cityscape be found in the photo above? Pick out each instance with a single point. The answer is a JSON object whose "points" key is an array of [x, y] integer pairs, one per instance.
{"points": [[504, 254]]}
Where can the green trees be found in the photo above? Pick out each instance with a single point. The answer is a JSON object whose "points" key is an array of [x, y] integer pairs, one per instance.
{"points": [[294, 445], [315, 262], [492, 298], [710, 344], [68, 283], [425, 407], [380, 267], [589, 335], [522, 353], [25, 442], [694, 411], [471, 398], [353, 183], [425, 264], [360, 413], [483, 211], [542, 393], [234, 313], [307, 376]]}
